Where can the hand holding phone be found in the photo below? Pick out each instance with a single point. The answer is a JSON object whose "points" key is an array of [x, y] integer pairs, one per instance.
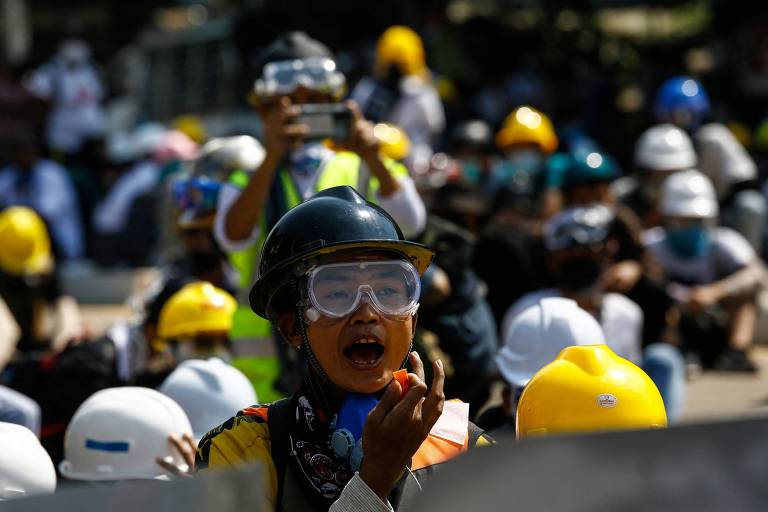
{"points": [[325, 120]]}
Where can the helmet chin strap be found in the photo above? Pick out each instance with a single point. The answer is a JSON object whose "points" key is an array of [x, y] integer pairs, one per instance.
{"points": [[304, 338]]}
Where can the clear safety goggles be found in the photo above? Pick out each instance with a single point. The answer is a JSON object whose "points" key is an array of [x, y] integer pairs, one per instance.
{"points": [[578, 227], [336, 290], [284, 77], [196, 193]]}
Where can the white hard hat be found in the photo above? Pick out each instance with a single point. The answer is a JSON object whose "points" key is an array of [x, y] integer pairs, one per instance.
{"points": [[537, 335], [119, 434], [149, 137], [210, 392], [26, 468], [688, 194], [219, 156], [665, 147]]}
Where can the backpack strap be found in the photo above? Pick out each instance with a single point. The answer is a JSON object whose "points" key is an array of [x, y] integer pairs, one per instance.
{"points": [[278, 421]]}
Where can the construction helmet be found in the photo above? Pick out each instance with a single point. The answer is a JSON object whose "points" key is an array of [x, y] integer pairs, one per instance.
{"points": [[198, 308], [589, 389], [578, 226], [118, 435], [536, 336], [26, 468], [688, 194], [210, 392], [682, 100], [192, 126], [25, 248], [401, 47], [194, 201], [593, 167], [222, 155], [526, 125], [393, 141], [335, 220], [664, 147]]}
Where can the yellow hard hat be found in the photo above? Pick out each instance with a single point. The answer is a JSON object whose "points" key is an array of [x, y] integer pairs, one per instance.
{"points": [[191, 126], [589, 389], [526, 125], [402, 47], [395, 143], [25, 248], [198, 308]]}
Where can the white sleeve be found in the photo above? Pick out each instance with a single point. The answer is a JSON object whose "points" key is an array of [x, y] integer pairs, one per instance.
{"points": [[358, 497], [228, 194], [406, 207]]}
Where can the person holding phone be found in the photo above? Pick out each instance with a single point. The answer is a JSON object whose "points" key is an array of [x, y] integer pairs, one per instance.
{"points": [[341, 284], [298, 97]]}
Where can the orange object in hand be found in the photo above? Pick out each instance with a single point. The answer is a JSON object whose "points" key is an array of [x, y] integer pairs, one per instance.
{"points": [[401, 376]]}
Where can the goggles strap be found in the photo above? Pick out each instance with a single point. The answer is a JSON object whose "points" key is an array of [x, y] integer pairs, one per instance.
{"points": [[304, 338]]}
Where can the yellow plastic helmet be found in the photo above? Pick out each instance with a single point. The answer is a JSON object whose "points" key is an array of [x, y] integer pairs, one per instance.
{"points": [[526, 125], [191, 126], [395, 143], [589, 389], [25, 248], [198, 308], [402, 47]]}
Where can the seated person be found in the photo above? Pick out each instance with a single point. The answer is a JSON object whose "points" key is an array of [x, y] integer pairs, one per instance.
{"points": [[714, 274]]}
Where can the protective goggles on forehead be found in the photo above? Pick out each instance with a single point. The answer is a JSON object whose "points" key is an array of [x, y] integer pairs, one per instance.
{"points": [[578, 227], [195, 193], [284, 77], [336, 290]]}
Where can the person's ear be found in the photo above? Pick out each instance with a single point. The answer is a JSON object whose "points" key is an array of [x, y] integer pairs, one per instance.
{"points": [[288, 325]]}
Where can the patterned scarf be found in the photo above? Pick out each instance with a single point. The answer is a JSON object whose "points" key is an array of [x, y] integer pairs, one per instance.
{"points": [[319, 471]]}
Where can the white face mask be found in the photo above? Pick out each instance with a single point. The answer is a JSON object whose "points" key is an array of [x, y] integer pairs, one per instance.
{"points": [[308, 159]]}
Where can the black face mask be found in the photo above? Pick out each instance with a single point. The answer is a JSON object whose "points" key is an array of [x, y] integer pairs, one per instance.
{"points": [[578, 274]]}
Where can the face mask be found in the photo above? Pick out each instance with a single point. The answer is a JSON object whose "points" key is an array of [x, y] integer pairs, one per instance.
{"points": [[578, 274], [689, 242], [527, 160], [471, 170], [308, 158], [347, 437]]}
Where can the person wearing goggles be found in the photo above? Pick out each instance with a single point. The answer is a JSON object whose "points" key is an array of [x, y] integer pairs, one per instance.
{"points": [[340, 282]]}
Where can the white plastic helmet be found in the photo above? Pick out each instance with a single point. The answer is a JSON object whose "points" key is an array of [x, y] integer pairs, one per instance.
{"points": [[26, 468], [665, 147], [537, 335], [222, 155], [148, 137], [210, 392], [688, 194], [119, 434]]}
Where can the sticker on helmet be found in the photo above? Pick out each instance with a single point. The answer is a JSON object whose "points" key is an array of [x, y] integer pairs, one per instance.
{"points": [[607, 400]]}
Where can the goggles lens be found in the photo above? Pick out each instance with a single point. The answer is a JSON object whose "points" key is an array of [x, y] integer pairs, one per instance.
{"points": [[393, 287], [284, 77], [199, 194]]}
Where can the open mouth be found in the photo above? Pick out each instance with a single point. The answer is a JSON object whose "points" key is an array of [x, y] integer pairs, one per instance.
{"points": [[365, 352]]}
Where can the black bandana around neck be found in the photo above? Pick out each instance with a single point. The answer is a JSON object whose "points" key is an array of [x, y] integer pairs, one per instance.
{"points": [[319, 471]]}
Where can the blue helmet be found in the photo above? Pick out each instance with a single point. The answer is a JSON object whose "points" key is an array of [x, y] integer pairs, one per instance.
{"points": [[682, 101], [583, 169]]}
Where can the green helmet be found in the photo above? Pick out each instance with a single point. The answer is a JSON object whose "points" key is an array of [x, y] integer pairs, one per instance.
{"points": [[335, 220]]}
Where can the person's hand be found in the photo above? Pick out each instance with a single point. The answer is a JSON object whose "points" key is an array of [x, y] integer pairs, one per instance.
{"points": [[280, 133], [396, 428], [703, 297], [186, 447], [361, 139], [622, 276]]}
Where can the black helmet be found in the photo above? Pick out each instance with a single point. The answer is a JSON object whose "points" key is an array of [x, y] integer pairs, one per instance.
{"points": [[473, 133], [334, 220], [291, 46]]}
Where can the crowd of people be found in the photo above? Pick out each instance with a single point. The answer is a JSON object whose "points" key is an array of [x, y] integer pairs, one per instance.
{"points": [[514, 268]]}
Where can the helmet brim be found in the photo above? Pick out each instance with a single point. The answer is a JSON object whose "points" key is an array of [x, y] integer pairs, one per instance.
{"points": [[267, 285]]}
